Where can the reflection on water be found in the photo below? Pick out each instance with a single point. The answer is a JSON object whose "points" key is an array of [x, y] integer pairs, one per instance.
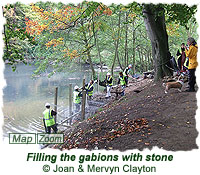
{"points": [[24, 97]]}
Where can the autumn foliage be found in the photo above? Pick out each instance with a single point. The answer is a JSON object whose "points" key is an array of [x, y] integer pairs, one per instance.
{"points": [[55, 20], [34, 28], [55, 42], [70, 53], [103, 9]]}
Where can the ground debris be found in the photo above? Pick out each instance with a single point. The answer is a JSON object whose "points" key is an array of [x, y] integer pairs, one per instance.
{"points": [[120, 128]]}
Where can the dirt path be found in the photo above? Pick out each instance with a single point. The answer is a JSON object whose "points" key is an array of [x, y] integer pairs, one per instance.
{"points": [[140, 120]]}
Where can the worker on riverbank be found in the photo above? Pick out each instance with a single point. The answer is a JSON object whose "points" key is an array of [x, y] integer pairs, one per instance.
{"points": [[77, 98], [126, 73], [49, 121], [89, 89], [122, 82], [109, 83]]}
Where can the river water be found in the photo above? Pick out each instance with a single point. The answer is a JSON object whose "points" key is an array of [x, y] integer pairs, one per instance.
{"points": [[24, 97]]}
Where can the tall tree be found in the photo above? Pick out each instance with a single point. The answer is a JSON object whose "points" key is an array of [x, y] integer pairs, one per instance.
{"points": [[154, 17], [116, 42]]}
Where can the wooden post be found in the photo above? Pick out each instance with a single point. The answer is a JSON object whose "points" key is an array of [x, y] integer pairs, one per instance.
{"points": [[83, 105], [70, 101], [55, 101], [83, 101], [98, 82], [84, 83]]}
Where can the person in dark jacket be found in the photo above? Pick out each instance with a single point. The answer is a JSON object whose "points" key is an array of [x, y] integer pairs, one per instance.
{"points": [[109, 83], [90, 88], [181, 58]]}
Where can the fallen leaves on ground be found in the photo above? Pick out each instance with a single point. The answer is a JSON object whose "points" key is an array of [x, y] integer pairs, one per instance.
{"points": [[120, 128]]}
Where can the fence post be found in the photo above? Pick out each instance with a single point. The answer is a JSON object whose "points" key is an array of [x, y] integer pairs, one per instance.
{"points": [[83, 101], [70, 102], [98, 82], [56, 101]]}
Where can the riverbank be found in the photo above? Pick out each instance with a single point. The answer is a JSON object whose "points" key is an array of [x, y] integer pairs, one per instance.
{"points": [[139, 120]]}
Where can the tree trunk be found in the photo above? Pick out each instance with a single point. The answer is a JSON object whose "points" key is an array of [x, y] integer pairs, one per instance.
{"points": [[143, 60], [140, 61], [148, 61], [88, 52], [133, 54], [96, 43], [126, 40], [116, 42], [154, 18], [118, 59]]}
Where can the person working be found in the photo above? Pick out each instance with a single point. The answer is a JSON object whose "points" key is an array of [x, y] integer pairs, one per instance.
{"points": [[49, 121], [181, 58], [122, 82], [126, 73], [77, 99], [191, 53], [109, 83], [90, 88]]}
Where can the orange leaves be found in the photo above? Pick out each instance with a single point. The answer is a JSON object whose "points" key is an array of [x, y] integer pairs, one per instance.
{"points": [[70, 53], [103, 9], [132, 16], [43, 14], [68, 12], [58, 19], [36, 8], [54, 42], [107, 11], [33, 27]]}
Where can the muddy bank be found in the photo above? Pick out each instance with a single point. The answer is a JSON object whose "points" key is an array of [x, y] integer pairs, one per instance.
{"points": [[168, 122]]}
